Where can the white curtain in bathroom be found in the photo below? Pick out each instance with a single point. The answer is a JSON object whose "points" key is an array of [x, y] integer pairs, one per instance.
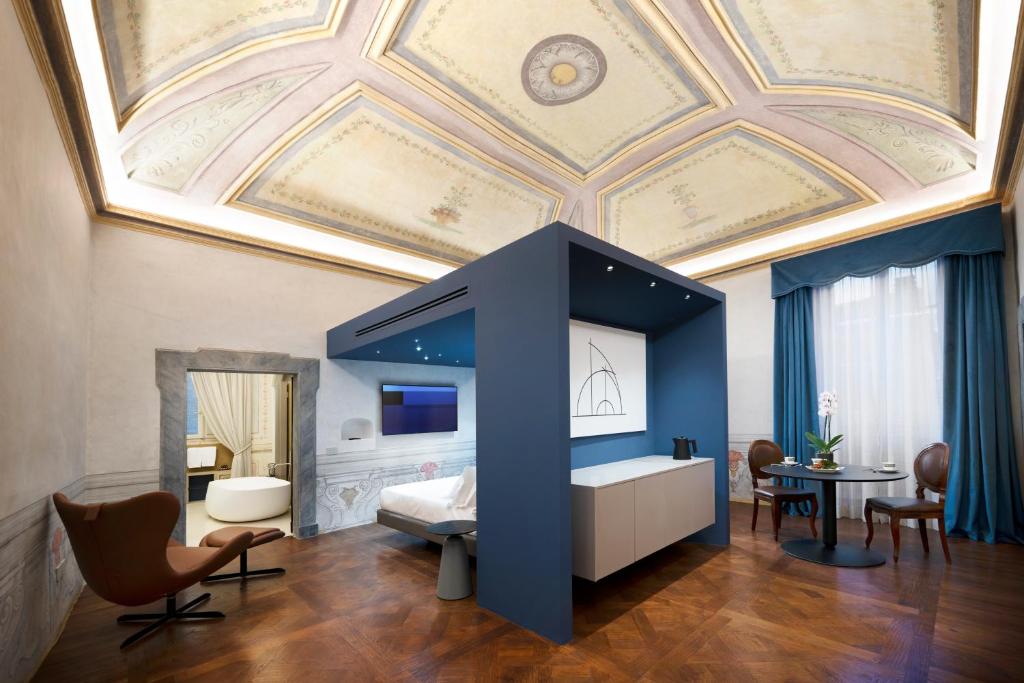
{"points": [[228, 402], [878, 345]]}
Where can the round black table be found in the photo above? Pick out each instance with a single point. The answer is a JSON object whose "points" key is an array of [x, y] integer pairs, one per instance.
{"points": [[453, 579], [828, 551]]}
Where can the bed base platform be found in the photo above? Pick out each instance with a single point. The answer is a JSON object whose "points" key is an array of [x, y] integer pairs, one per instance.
{"points": [[418, 528]]}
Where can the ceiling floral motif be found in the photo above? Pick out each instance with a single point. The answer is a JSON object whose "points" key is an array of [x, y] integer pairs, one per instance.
{"points": [[172, 153], [724, 186], [366, 167], [150, 45], [919, 152], [916, 53], [616, 80]]}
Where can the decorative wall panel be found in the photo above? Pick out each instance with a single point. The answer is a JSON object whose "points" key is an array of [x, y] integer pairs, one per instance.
{"points": [[577, 82], [348, 487], [920, 52], [726, 185], [369, 169]]}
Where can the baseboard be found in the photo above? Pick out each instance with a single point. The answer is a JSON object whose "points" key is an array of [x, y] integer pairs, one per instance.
{"points": [[308, 531], [60, 631]]}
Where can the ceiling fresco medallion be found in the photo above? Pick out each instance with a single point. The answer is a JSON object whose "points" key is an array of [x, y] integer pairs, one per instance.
{"points": [[152, 46], [366, 167], [732, 183], [918, 152], [563, 69], [574, 101], [919, 54]]}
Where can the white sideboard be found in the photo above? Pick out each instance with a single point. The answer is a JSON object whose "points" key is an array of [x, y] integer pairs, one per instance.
{"points": [[626, 510]]}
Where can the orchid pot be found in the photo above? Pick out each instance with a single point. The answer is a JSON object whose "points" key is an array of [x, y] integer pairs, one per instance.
{"points": [[825, 445]]}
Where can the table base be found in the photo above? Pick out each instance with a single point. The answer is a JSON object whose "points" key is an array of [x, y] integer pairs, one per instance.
{"points": [[840, 556], [453, 578]]}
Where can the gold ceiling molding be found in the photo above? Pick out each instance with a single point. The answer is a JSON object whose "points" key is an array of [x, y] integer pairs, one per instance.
{"points": [[234, 33], [1010, 154], [447, 185], [678, 198], [764, 53], [539, 132], [44, 27]]}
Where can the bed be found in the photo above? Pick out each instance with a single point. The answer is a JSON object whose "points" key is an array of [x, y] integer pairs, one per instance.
{"points": [[412, 507]]}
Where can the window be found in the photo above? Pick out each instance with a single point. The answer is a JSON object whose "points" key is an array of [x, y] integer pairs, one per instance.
{"points": [[191, 407], [878, 345]]}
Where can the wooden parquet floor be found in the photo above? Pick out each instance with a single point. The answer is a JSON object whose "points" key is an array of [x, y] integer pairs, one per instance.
{"points": [[359, 605]]}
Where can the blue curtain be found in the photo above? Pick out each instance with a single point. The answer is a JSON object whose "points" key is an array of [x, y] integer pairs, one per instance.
{"points": [[796, 394], [983, 500], [978, 231]]}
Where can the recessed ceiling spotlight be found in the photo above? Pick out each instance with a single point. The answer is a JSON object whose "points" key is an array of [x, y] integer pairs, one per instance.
{"points": [[458, 361], [687, 296], [610, 268], [426, 357], [378, 352], [653, 283], [419, 348], [438, 355], [417, 341]]}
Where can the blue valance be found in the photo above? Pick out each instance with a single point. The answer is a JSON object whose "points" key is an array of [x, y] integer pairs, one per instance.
{"points": [[974, 232]]}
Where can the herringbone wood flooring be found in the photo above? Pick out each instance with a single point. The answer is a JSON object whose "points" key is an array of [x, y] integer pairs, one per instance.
{"points": [[358, 605]]}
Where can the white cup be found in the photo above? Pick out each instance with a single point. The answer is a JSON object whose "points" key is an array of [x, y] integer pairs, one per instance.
{"points": [[816, 462], [790, 459], [889, 466]]}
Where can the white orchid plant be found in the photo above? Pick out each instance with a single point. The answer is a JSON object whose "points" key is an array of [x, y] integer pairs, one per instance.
{"points": [[826, 445]]}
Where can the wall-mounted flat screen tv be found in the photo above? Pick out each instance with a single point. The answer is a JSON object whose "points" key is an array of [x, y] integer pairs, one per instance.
{"points": [[418, 409]]}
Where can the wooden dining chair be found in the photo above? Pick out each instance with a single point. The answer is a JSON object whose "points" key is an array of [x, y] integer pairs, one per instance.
{"points": [[762, 453], [931, 469]]}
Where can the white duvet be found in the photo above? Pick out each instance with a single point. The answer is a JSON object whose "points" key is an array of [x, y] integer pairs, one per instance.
{"points": [[431, 501]]}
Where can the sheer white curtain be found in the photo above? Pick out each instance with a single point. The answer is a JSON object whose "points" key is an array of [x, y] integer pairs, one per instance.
{"points": [[228, 403], [878, 345]]}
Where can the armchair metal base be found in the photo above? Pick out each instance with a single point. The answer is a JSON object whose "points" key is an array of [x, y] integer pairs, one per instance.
{"points": [[244, 571], [171, 613]]}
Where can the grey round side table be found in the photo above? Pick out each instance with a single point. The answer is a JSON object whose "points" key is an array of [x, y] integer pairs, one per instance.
{"points": [[453, 579]]}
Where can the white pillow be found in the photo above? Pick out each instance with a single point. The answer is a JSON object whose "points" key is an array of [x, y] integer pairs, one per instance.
{"points": [[464, 491]]}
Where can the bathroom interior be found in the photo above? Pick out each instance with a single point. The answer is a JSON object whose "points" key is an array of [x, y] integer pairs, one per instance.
{"points": [[239, 451]]}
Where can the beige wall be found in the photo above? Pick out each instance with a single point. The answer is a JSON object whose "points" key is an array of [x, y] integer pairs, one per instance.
{"points": [[44, 289], [44, 333], [150, 292], [750, 325]]}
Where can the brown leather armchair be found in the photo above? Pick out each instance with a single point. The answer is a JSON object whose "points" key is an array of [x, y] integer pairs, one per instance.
{"points": [[125, 553], [931, 469], [762, 453]]}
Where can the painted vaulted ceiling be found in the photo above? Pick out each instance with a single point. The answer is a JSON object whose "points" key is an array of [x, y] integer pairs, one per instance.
{"points": [[439, 130]]}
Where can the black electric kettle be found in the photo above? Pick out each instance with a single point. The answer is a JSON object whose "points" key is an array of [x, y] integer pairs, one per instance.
{"points": [[685, 448]]}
